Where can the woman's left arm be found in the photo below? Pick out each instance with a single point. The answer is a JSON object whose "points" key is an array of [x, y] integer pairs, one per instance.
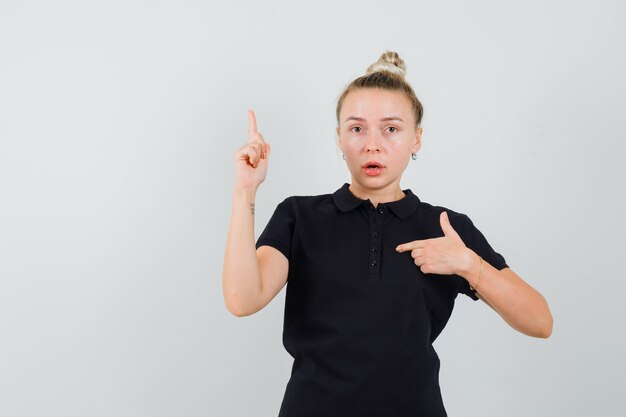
{"points": [[519, 304]]}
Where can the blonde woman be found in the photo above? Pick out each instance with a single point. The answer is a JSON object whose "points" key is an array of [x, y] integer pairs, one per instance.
{"points": [[372, 271]]}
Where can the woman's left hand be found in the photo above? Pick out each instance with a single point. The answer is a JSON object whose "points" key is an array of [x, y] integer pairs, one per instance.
{"points": [[445, 255]]}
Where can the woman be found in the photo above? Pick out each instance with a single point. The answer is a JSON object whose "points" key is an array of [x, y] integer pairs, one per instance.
{"points": [[372, 270]]}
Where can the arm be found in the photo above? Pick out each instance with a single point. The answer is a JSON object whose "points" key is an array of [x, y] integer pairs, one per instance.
{"points": [[247, 269], [251, 277], [519, 304], [241, 276]]}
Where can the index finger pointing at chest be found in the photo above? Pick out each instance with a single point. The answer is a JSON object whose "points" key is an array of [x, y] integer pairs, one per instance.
{"points": [[403, 247]]}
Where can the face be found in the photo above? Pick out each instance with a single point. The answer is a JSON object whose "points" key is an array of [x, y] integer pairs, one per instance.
{"points": [[377, 126]]}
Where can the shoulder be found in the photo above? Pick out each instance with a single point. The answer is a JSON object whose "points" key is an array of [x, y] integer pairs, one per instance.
{"points": [[306, 206], [430, 211], [308, 201]]}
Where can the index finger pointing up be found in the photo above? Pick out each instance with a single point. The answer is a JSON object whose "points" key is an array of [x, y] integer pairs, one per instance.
{"points": [[252, 130]]}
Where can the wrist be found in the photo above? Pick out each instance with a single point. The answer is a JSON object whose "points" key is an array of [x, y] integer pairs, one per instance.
{"points": [[244, 200], [247, 192], [471, 266]]}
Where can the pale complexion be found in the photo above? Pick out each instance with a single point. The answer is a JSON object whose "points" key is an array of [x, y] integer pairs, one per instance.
{"points": [[379, 125], [374, 125], [251, 277]]}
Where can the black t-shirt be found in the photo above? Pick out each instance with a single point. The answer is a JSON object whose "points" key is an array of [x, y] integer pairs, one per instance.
{"points": [[360, 318]]}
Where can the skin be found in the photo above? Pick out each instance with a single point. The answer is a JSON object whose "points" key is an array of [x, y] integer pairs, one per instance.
{"points": [[251, 279], [366, 134], [389, 142]]}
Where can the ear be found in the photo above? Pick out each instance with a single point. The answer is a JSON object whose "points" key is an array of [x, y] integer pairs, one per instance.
{"points": [[417, 144], [339, 136]]}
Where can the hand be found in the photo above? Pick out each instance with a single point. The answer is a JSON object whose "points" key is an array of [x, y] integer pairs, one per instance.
{"points": [[251, 160], [445, 255]]}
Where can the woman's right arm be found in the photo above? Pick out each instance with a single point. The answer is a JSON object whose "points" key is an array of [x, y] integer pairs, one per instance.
{"points": [[247, 269]]}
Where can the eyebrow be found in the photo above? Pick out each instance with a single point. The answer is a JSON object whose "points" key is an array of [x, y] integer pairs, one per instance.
{"points": [[384, 119]]}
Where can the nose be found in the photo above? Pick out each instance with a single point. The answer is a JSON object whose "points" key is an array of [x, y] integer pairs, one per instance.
{"points": [[373, 141]]}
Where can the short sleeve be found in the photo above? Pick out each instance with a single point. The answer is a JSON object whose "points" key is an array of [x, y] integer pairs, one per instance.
{"points": [[476, 241], [278, 232]]}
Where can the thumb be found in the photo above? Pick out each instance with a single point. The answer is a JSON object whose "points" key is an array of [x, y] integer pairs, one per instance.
{"points": [[267, 152], [447, 228]]}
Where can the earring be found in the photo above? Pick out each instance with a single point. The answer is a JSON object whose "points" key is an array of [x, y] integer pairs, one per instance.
{"points": [[414, 155], [343, 157]]}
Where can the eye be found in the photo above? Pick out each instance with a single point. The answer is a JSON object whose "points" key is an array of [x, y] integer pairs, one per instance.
{"points": [[356, 127], [395, 129]]}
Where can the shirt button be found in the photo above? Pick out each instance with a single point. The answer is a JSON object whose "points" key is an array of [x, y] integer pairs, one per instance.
{"points": [[380, 210], [374, 234], [374, 262], [374, 248]]}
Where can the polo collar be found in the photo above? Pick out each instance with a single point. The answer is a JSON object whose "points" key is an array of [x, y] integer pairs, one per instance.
{"points": [[346, 201]]}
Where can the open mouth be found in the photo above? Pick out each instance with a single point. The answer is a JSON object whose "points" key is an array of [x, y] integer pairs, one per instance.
{"points": [[373, 168], [372, 164]]}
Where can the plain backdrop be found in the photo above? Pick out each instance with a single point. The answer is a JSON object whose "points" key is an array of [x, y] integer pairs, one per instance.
{"points": [[118, 126]]}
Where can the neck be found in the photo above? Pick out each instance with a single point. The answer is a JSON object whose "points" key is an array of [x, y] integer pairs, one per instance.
{"points": [[377, 195]]}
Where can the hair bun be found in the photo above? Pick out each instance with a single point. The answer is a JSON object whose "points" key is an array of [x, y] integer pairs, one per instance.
{"points": [[389, 61]]}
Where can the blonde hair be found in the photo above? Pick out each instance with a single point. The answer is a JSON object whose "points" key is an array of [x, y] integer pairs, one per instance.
{"points": [[388, 74]]}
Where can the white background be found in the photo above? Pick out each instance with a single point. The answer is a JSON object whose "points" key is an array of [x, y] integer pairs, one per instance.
{"points": [[118, 126]]}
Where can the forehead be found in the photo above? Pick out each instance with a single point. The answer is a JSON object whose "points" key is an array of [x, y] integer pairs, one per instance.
{"points": [[376, 103]]}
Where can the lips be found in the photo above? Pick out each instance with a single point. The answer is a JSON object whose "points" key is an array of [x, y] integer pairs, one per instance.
{"points": [[372, 164], [373, 168]]}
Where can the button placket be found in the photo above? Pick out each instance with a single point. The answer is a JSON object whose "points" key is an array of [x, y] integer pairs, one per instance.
{"points": [[376, 215]]}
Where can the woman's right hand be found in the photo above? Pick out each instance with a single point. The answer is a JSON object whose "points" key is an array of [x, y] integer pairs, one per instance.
{"points": [[251, 159]]}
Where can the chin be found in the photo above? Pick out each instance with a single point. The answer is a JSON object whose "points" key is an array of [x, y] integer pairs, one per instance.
{"points": [[372, 182]]}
